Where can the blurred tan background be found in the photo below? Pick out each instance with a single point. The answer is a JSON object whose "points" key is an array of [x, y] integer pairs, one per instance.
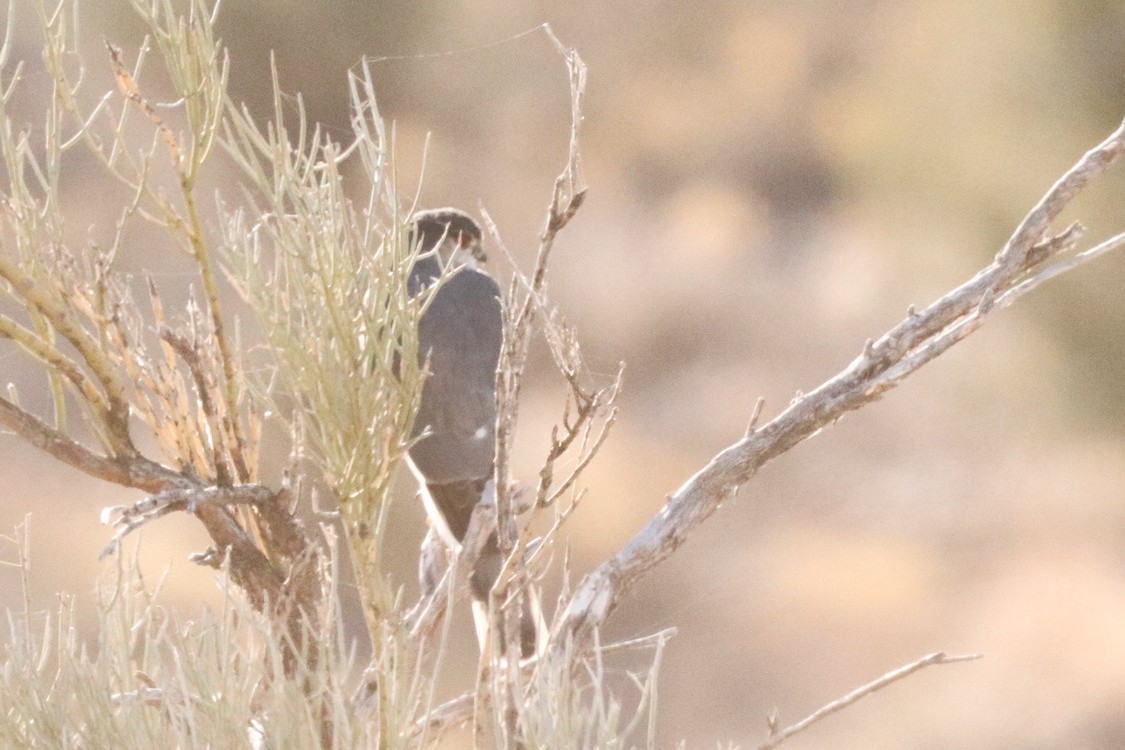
{"points": [[770, 184]]}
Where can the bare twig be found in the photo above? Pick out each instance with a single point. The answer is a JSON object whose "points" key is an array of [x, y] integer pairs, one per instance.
{"points": [[755, 415], [778, 736], [604, 399], [883, 363], [188, 351], [127, 519], [38, 295], [566, 198], [134, 471], [192, 228], [427, 613], [525, 305]]}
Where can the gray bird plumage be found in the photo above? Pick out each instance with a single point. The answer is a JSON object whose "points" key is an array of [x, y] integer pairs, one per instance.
{"points": [[460, 334], [459, 337]]}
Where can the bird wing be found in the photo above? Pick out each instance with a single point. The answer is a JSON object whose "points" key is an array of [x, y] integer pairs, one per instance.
{"points": [[460, 335]]}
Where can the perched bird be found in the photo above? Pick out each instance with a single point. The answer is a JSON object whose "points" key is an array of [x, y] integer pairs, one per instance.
{"points": [[459, 337]]}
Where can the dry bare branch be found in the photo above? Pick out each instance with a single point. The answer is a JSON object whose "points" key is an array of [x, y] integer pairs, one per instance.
{"points": [[777, 736], [1021, 265], [134, 471], [566, 198]]}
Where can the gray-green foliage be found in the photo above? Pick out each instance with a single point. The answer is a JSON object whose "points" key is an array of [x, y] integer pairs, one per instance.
{"points": [[327, 279], [153, 680], [314, 239]]}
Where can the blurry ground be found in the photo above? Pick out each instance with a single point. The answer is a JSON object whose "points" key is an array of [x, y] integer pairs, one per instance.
{"points": [[770, 184]]}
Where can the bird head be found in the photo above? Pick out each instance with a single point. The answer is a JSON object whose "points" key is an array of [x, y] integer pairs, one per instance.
{"points": [[454, 235]]}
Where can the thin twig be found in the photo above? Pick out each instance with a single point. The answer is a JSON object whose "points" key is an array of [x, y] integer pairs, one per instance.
{"points": [[567, 196], [188, 351], [779, 736]]}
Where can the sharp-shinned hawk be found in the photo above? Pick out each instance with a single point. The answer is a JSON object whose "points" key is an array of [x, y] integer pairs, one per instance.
{"points": [[459, 338]]}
